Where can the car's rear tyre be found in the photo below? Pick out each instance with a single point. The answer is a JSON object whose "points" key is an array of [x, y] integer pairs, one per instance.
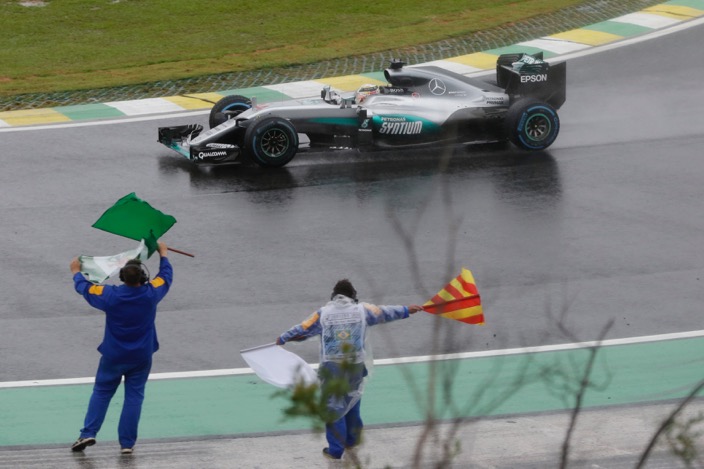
{"points": [[271, 141], [532, 124], [227, 108]]}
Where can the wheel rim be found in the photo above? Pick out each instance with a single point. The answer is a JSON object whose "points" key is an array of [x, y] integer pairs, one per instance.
{"points": [[238, 108], [538, 127], [275, 143]]}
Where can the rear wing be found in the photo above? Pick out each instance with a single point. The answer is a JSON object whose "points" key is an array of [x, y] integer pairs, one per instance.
{"points": [[523, 75]]}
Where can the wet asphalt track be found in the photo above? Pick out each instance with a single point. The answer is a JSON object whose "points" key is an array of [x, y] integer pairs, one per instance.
{"points": [[605, 226]]}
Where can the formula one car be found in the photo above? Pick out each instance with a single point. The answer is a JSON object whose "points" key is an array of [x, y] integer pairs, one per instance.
{"points": [[421, 105]]}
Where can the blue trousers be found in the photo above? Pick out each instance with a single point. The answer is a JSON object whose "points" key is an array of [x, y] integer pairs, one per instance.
{"points": [[344, 432], [107, 380]]}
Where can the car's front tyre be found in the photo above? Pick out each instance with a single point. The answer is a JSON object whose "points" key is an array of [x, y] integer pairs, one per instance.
{"points": [[227, 108], [532, 124], [271, 141]]}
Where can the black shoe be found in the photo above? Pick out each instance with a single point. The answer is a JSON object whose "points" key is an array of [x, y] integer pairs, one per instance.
{"points": [[82, 443], [327, 454]]}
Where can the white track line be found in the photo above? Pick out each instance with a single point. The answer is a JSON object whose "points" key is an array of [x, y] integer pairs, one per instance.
{"points": [[388, 361], [105, 122]]}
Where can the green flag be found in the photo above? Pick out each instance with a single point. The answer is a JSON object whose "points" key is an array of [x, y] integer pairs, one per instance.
{"points": [[134, 218]]}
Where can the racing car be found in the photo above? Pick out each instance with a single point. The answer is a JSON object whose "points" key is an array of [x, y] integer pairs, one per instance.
{"points": [[419, 105]]}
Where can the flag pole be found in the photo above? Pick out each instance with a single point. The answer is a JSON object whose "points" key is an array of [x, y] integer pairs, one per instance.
{"points": [[180, 252], [454, 300], [257, 347]]}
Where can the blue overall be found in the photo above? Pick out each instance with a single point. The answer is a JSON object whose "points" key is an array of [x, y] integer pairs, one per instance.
{"points": [[128, 344]]}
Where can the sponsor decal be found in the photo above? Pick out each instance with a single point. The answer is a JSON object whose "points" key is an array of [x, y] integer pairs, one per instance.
{"points": [[529, 59], [365, 123], [534, 78], [437, 87], [210, 154], [526, 60], [220, 145], [400, 126], [415, 95], [495, 100], [394, 90]]}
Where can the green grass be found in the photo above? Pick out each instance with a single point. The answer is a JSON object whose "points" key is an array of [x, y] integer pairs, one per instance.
{"points": [[84, 44]]}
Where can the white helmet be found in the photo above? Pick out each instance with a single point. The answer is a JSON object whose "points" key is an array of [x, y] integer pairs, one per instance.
{"points": [[364, 91]]}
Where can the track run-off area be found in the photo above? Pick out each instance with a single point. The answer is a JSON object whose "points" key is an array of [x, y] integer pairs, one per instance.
{"points": [[646, 368], [236, 403]]}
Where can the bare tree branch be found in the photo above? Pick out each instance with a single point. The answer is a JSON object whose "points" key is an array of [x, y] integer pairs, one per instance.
{"points": [[666, 423], [579, 398]]}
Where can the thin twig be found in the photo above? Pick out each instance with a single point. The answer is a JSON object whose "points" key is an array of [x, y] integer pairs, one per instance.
{"points": [[666, 423]]}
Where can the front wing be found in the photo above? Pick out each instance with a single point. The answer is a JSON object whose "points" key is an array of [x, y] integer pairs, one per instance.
{"points": [[179, 139]]}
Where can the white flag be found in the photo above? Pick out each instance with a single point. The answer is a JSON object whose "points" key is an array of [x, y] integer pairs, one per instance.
{"points": [[278, 366], [99, 269]]}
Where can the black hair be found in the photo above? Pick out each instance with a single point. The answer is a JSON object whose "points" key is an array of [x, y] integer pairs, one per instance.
{"points": [[134, 273], [344, 287]]}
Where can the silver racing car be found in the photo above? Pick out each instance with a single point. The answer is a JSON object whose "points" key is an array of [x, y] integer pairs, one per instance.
{"points": [[420, 105]]}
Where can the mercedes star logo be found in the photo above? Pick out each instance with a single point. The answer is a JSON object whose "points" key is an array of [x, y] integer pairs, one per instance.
{"points": [[437, 87]]}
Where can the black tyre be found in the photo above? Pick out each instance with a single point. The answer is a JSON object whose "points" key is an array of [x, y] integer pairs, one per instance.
{"points": [[532, 124], [227, 108], [271, 141]]}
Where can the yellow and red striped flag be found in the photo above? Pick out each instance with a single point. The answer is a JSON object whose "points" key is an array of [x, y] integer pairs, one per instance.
{"points": [[459, 300]]}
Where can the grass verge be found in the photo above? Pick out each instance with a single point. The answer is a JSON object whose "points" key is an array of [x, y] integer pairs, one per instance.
{"points": [[62, 45]]}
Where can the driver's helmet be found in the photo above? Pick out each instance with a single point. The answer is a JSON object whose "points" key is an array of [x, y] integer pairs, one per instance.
{"points": [[364, 91]]}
